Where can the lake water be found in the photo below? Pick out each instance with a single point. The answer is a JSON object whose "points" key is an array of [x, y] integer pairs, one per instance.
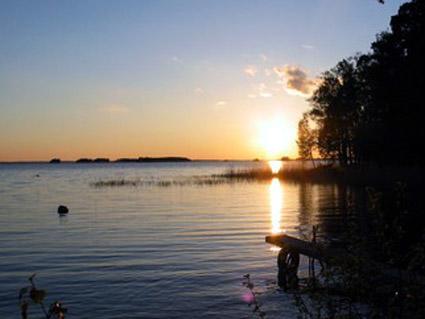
{"points": [[150, 251]]}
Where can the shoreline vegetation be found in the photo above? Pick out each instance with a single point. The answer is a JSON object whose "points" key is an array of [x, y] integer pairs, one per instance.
{"points": [[360, 176], [328, 174]]}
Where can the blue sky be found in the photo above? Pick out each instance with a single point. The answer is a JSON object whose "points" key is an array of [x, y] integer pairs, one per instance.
{"points": [[192, 78]]}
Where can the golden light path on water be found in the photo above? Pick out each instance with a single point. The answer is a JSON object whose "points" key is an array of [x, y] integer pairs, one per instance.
{"points": [[276, 200], [276, 203]]}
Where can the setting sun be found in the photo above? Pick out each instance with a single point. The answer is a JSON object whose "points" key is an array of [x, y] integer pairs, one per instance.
{"points": [[275, 166], [274, 138]]}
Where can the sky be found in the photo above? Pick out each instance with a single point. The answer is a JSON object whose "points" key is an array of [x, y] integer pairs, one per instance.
{"points": [[206, 79]]}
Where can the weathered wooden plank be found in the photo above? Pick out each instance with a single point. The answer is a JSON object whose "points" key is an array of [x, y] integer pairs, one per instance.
{"points": [[301, 246], [313, 250]]}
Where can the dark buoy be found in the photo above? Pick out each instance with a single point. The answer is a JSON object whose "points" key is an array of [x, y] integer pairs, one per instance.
{"points": [[63, 210]]}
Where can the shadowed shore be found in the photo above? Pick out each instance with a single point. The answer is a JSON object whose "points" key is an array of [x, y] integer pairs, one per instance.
{"points": [[361, 176], [319, 175]]}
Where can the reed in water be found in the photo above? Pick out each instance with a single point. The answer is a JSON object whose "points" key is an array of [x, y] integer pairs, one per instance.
{"points": [[329, 174]]}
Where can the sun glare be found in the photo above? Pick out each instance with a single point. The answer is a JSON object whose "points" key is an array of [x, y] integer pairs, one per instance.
{"points": [[275, 166], [273, 138]]}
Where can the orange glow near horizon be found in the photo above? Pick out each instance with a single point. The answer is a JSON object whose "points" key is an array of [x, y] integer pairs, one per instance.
{"points": [[275, 166], [275, 138], [244, 139]]}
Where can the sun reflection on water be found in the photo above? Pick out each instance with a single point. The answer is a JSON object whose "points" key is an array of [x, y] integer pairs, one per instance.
{"points": [[276, 202], [275, 166]]}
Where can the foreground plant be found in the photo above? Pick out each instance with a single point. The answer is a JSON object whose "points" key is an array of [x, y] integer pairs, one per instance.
{"points": [[251, 297], [380, 275], [31, 295]]}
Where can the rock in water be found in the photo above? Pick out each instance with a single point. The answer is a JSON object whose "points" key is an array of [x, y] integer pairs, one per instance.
{"points": [[62, 210]]}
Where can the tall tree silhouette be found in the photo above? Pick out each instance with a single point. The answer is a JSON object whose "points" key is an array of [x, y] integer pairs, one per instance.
{"points": [[369, 108], [306, 139]]}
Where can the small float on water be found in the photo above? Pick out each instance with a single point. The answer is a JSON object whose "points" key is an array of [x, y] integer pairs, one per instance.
{"points": [[63, 210]]}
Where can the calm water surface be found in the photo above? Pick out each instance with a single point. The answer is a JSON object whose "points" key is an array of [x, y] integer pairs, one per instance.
{"points": [[150, 251]]}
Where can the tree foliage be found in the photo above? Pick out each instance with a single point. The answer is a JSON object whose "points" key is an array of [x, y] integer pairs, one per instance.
{"points": [[369, 108], [306, 138]]}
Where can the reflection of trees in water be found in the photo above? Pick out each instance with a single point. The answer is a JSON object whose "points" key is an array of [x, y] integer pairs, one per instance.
{"points": [[307, 208], [332, 207]]}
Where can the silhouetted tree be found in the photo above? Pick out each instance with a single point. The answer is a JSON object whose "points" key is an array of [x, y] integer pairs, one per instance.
{"points": [[395, 80], [335, 108], [369, 108], [306, 139]]}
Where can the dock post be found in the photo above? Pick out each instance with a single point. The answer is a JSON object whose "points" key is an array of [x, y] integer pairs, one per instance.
{"points": [[287, 263]]}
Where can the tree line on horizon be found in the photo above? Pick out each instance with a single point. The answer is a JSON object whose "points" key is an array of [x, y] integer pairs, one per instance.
{"points": [[369, 108]]}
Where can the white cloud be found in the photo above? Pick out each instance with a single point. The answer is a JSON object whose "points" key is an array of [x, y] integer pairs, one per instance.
{"points": [[221, 103], [268, 72], [260, 90], [295, 80], [264, 91], [307, 46], [263, 57], [266, 94], [250, 70]]}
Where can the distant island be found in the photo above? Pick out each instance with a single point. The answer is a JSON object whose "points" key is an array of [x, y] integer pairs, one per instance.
{"points": [[154, 159], [96, 160], [127, 160]]}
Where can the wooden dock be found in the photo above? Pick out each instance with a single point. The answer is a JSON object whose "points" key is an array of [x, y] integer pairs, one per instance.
{"points": [[292, 247], [288, 258], [303, 247]]}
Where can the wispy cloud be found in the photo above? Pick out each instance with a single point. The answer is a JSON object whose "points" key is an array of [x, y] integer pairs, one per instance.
{"points": [[260, 90], [307, 46], [199, 91], [295, 80], [176, 59], [263, 91], [221, 103], [114, 109], [266, 94], [263, 57], [250, 70]]}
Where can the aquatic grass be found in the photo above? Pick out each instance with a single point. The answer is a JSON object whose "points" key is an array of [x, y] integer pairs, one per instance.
{"points": [[115, 183], [291, 174], [31, 295], [190, 181], [360, 176], [251, 297], [356, 176]]}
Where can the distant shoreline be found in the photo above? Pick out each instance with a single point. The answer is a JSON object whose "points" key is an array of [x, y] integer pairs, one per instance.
{"points": [[130, 161], [161, 159]]}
